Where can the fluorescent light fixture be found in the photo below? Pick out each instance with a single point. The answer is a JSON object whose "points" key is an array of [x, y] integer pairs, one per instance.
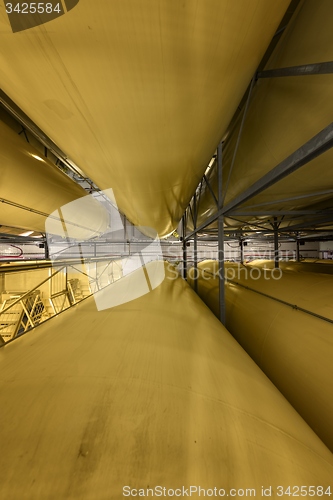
{"points": [[37, 157], [26, 234], [211, 163]]}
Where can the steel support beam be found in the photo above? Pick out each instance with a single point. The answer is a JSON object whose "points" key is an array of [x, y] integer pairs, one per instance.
{"points": [[297, 249], [191, 212], [252, 224], [322, 236], [235, 233], [195, 243], [310, 225], [184, 247], [46, 248], [323, 68], [211, 190], [241, 245], [316, 146], [199, 198], [277, 213], [239, 137], [220, 237], [292, 198], [276, 243]]}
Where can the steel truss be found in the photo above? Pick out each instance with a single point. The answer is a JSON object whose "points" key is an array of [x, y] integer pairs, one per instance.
{"points": [[316, 146]]}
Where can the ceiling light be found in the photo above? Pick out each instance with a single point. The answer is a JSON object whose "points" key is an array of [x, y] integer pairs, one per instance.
{"points": [[211, 163], [26, 234], [37, 157]]}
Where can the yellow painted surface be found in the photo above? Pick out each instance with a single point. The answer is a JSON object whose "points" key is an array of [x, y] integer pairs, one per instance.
{"points": [[25, 281], [293, 348], [284, 113], [153, 392], [139, 93], [307, 266]]}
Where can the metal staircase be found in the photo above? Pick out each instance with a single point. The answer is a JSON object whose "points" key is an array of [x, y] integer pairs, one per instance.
{"points": [[20, 312]]}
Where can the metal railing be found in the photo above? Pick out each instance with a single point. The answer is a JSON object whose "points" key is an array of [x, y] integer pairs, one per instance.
{"points": [[21, 312]]}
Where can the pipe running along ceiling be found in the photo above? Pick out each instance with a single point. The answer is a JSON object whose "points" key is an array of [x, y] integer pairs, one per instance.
{"points": [[138, 94], [31, 188]]}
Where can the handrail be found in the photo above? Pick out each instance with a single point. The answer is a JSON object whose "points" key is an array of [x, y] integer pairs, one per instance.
{"points": [[276, 299], [25, 306]]}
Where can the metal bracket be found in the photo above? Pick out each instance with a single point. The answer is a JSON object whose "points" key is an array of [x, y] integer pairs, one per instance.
{"points": [[211, 190]]}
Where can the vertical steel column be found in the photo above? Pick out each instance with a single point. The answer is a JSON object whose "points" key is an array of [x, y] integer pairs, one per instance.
{"points": [[46, 249], [2, 282], [125, 234], [184, 247], [241, 244], [297, 249], [276, 244], [195, 243], [220, 237]]}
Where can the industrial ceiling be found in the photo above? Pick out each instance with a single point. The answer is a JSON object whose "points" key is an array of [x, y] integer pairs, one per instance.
{"points": [[138, 94]]}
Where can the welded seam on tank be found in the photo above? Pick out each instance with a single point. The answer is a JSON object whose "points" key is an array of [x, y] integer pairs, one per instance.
{"points": [[293, 306]]}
